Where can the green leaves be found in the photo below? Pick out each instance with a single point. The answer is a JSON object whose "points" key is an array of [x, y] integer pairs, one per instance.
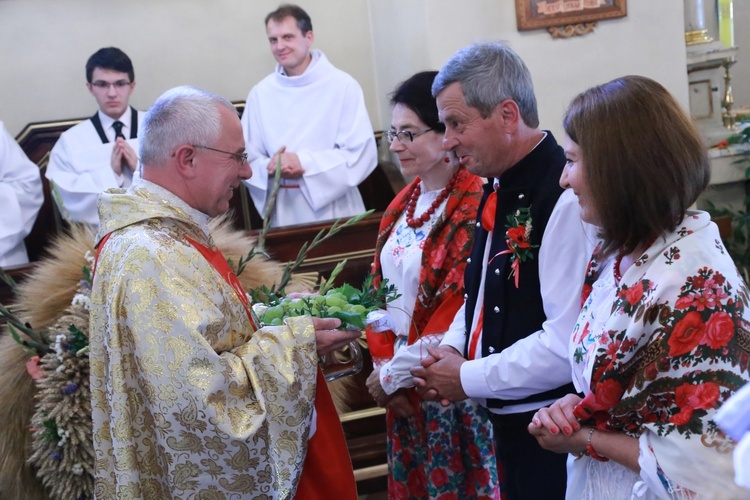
{"points": [[347, 303]]}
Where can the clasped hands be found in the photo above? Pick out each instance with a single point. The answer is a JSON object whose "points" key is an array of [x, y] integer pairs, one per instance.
{"points": [[290, 165], [123, 156], [439, 376], [557, 429]]}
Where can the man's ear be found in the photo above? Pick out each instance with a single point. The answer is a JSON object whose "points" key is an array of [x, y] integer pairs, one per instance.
{"points": [[508, 113], [185, 157]]}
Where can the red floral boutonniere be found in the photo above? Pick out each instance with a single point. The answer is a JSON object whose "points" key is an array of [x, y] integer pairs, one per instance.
{"points": [[517, 237]]}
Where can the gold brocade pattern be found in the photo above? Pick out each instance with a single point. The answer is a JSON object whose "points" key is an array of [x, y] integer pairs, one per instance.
{"points": [[187, 401]]}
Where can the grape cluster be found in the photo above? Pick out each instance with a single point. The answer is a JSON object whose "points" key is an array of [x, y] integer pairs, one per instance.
{"points": [[349, 304]]}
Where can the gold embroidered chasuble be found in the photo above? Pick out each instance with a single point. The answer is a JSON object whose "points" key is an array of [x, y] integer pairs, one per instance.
{"points": [[187, 400]]}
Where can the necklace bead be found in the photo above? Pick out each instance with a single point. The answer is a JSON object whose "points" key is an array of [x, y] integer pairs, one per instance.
{"points": [[616, 270], [411, 205]]}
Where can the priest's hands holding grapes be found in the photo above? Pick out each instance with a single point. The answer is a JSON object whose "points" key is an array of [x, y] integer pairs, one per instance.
{"points": [[328, 339]]}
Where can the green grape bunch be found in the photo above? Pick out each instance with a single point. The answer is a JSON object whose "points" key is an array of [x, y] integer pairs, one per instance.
{"points": [[347, 303]]}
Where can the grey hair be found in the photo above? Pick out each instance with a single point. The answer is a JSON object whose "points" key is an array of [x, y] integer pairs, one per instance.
{"points": [[182, 115], [489, 73]]}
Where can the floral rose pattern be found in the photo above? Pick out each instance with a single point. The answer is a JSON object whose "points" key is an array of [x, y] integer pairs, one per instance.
{"points": [[675, 347], [441, 452]]}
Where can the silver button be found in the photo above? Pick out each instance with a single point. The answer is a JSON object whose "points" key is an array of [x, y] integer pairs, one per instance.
{"points": [[479, 224], [496, 309], [466, 296], [497, 272], [468, 261], [521, 196], [491, 349]]}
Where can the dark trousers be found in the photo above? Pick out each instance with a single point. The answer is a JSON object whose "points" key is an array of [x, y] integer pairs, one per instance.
{"points": [[528, 471]]}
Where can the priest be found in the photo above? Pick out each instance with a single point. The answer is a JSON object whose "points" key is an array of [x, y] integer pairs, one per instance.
{"points": [[190, 399]]}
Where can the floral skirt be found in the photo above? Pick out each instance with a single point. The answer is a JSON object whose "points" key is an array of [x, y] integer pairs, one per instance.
{"points": [[442, 453]]}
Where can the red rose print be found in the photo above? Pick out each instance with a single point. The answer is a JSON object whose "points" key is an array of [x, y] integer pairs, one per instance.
{"points": [[454, 276], [683, 417], [460, 239], [686, 334], [482, 477], [433, 426], [456, 464], [608, 394], [683, 394], [415, 481], [438, 254], [707, 395], [474, 453], [719, 330], [399, 490], [699, 397], [439, 477], [633, 294], [448, 496]]}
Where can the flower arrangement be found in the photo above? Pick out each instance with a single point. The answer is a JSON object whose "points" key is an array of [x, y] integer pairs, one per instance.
{"points": [[517, 237]]}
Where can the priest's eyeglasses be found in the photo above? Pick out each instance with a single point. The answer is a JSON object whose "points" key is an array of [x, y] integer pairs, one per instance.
{"points": [[118, 85], [392, 135], [240, 157]]}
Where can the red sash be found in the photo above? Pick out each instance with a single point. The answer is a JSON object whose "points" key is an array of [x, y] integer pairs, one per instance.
{"points": [[217, 260]]}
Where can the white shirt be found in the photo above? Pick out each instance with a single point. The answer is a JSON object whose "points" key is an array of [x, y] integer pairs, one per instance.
{"points": [[538, 362], [321, 116], [401, 264], [21, 195], [80, 166]]}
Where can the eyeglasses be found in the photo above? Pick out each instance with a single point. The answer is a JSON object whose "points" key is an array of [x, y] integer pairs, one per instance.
{"points": [[118, 85], [392, 135], [240, 157]]}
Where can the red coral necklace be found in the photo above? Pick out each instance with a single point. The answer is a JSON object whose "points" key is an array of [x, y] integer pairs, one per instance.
{"points": [[618, 262], [411, 205]]}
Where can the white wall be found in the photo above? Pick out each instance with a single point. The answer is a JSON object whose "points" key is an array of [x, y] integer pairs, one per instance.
{"points": [[221, 45], [649, 41]]}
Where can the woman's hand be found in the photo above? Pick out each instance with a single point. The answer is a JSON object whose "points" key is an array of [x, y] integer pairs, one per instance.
{"points": [[559, 417], [561, 443], [557, 429], [376, 388], [400, 404]]}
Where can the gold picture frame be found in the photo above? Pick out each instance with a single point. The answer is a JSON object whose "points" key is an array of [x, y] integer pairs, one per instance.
{"points": [[574, 17]]}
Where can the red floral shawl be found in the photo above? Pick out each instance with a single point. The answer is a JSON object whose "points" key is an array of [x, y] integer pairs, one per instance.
{"points": [[677, 343], [446, 248]]}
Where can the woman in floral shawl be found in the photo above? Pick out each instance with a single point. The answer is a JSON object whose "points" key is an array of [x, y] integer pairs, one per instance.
{"points": [[423, 242], [663, 337]]}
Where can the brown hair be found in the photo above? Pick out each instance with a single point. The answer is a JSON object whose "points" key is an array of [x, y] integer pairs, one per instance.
{"points": [[304, 23], [644, 161]]}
